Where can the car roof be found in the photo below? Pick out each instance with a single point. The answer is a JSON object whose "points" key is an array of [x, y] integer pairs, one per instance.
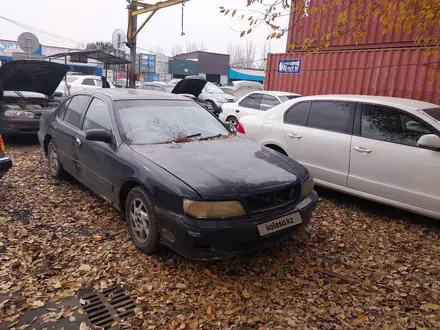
{"points": [[117, 94], [157, 83], [280, 93], [397, 102]]}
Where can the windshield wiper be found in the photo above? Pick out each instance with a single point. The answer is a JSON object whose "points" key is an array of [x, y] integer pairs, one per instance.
{"points": [[211, 137], [193, 135]]}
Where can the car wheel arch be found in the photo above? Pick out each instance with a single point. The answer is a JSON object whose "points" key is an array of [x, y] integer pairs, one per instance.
{"points": [[276, 148], [46, 141], [125, 190]]}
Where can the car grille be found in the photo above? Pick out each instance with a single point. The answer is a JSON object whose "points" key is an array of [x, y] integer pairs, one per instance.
{"points": [[273, 199]]}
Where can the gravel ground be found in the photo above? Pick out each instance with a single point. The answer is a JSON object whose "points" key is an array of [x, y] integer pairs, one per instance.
{"points": [[358, 265]]}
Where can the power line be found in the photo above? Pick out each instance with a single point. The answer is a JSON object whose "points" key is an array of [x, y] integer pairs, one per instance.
{"points": [[43, 33]]}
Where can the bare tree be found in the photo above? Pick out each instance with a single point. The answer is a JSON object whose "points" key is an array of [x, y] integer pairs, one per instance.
{"points": [[262, 61], [191, 46], [176, 49], [242, 55], [202, 46]]}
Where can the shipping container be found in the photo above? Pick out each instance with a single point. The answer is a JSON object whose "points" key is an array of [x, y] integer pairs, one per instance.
{"points": [[398, 72], [314, 25]]}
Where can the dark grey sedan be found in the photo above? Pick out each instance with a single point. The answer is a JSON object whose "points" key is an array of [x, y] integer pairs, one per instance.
{"points": [[176, 173]]}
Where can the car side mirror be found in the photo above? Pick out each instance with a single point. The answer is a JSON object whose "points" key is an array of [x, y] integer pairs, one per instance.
{"points": [[429, 141], [99, 135]]}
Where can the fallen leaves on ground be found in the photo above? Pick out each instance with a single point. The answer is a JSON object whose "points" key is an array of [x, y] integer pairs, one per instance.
{"points": [[352, 268]]}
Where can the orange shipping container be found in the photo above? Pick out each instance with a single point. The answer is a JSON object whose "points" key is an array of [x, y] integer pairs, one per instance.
{"points": [[304, 25], [400, 72]]}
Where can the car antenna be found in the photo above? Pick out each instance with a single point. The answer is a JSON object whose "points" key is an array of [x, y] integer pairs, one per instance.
{"points": [[183, 6]]}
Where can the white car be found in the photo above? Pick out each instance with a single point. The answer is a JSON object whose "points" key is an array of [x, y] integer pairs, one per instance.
{"points": [[380, 148], [251, 104], [77, 83]]}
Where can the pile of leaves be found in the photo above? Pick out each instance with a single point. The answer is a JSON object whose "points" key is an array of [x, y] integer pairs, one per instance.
{"points": [[357, 265], [184, 139]]}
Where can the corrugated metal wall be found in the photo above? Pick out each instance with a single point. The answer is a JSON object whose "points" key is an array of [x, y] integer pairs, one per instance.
{"points": [[301, 27], [400, 72]]}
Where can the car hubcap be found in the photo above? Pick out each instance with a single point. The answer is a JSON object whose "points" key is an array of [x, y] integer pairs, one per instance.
{"points": [[140, 221], [53, 159], [233, 123], [209, 106]]}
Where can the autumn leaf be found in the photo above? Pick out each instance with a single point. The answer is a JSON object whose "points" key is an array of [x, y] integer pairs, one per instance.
{"points": [[242, 33], [246, 294]]}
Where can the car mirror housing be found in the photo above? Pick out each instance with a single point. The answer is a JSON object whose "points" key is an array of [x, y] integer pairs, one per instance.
{"points": [[99, 135], [429, 141]]}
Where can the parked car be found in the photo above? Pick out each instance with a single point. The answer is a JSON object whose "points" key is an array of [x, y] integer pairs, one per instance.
{"points": [[165, 163], [242, 87], [28, 86], [157, 86], [62, 91], [380, 148], [252, 104], [5, 161], [78, 83]]}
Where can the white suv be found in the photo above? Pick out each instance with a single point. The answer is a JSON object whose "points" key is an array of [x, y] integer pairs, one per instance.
{"points": [[78, 83]]}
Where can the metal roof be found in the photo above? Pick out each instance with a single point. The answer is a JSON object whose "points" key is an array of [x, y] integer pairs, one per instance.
{"points": [[97, 55]]}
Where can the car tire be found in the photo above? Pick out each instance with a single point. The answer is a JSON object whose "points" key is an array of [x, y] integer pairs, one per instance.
{"points": [[55, 166], [233, 120], [141, 221], [210, 106]]}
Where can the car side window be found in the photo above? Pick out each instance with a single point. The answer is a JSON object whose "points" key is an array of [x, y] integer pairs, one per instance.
{"points": [[389, 125], [98, 82], [97, 116], [335, 116], [252, 101], [158, 88], [75, 110], [62, 109], [297, 115], [268, 102], [88, 81], [149, 87]]}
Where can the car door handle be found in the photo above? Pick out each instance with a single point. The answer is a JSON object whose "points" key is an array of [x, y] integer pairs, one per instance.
{"points": [[364, 150], [78, 141], [294, 136], [237, 111]]}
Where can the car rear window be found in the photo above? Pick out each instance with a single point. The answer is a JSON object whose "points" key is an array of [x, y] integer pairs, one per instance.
{"points": [[71, 78], [285, 98], [161, 121], [434, 113]]}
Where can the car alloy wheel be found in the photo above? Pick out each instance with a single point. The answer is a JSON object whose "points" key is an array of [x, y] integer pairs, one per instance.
{"points": [[53, 159], [233, 122], [56, 169], [140, 220]]}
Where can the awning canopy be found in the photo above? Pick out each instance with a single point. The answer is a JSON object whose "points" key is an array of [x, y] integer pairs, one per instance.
{"points": [[246, 74], [97, 55]]}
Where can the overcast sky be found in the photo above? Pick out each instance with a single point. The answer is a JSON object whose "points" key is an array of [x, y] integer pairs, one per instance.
{"points": [[95, 20]]}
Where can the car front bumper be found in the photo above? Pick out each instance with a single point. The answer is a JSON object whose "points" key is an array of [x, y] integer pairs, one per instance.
{"points": [[16, 126], [198, 239], [5, 165], [222, 117]]}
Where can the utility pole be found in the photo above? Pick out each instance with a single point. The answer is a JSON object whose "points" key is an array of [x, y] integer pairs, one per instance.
{"points": [[136, 8], [132, 41]]}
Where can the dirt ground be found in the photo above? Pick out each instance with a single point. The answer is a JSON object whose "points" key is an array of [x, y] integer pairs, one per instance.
{"points": [[358, 265]]}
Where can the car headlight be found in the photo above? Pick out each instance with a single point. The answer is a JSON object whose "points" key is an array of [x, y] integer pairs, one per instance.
{"points": [[221, 100], [307, 187], [19, 114], [226, 209]]}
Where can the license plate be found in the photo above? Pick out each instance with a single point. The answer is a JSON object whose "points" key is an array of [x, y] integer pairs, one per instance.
{"points": [[275, 225]]}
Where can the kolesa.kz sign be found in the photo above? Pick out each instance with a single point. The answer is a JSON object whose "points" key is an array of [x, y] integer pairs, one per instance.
{"points": [[289, 66]]}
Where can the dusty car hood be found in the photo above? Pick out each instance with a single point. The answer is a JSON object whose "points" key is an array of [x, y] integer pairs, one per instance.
{"points": [[189, 86], [32, 76], [227, 168]]}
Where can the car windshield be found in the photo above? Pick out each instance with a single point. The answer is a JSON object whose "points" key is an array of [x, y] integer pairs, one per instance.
{"points": [[71, 78], [161, 121], [434, 113], [285, 98], [210, 88]]}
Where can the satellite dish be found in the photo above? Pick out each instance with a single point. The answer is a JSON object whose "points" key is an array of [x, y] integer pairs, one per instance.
{"points": [[118, 39], [28, 42]]}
